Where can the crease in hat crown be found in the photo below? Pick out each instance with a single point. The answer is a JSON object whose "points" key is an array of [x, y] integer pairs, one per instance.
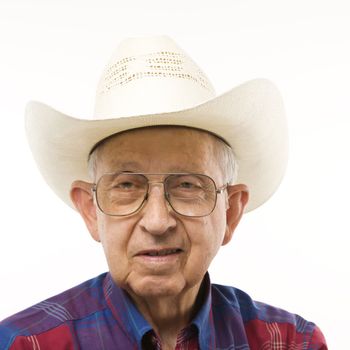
{"points": [[155, 72]]}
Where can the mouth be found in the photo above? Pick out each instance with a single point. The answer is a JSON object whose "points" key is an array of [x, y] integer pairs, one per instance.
{"points": [[160, 252]]}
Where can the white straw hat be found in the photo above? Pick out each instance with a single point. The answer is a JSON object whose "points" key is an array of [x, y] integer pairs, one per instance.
{"points": [[151, 81]]}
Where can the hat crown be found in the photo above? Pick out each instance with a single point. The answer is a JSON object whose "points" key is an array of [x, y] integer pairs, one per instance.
{"points": [[149, 76]]}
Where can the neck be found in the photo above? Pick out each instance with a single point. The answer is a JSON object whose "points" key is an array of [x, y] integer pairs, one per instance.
{"points": [[168, 315]]}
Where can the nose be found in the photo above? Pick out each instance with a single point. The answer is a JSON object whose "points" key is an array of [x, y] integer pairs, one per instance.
{"points": [[157, 218]]}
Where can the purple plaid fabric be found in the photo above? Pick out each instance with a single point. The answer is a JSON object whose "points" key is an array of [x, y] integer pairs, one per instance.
{"points": [[99, 315]]}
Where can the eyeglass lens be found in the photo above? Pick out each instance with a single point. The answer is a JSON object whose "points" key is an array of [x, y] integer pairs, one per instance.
{"points": [[124, 193]]}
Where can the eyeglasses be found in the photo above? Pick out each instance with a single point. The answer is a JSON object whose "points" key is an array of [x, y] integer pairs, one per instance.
{"points": [[122, 194]]}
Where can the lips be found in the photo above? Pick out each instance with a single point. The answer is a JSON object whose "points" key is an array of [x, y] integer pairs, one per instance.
{"points": [[160, 252]]}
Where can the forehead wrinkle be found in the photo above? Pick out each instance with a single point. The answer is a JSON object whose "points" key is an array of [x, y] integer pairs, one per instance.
{"points": [[135, 167], [116, 165]]}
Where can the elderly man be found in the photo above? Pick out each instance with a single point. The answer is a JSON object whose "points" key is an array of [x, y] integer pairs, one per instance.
{"points": [[161, 177]]}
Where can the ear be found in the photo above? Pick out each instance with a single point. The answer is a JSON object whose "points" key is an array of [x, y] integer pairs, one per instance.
{"points": [[82, 197], [237, 199]]}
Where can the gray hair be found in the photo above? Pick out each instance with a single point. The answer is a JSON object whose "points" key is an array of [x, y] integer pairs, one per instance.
{"points": [[227, 161], [92, 164], [224, 153]]}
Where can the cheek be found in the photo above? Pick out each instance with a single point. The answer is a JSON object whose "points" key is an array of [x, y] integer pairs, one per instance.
{"points": [[217, 228], [111, 231], [114, 241], [208, 238]]}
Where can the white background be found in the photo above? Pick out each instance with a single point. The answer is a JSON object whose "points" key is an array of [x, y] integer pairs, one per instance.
{"points": [[293, 251]]}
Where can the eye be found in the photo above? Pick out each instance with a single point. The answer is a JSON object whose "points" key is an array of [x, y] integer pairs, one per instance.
{"points": [[125, 185], [187, 185]]}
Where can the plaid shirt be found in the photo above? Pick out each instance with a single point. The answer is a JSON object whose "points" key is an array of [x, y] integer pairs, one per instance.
{"points": [[99, 315]]}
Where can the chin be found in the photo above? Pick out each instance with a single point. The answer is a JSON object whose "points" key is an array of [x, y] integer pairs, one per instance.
{"points": [[157, 286]]}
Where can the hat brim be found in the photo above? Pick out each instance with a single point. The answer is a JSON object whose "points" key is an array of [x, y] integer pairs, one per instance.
{"points": [[249, 117]]}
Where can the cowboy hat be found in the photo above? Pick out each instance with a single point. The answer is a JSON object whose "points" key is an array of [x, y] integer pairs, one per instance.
{"points": [[149, 82]]}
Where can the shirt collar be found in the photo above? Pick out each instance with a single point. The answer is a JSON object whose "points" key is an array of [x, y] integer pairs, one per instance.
{"points": [[203, 320], [135, 325]]}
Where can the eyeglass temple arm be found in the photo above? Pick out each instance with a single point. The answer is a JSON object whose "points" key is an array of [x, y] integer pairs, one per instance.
{"points": [[221, 189]]}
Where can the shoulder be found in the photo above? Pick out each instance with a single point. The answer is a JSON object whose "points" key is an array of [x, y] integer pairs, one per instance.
{"points": [[263, 323], [51, 318]]}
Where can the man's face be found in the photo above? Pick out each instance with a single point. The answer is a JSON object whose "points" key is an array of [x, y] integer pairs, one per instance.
{"points": [[187, 244]]}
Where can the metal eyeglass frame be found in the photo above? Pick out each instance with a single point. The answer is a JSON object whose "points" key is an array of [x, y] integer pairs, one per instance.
{"points": [[218, 190]]}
